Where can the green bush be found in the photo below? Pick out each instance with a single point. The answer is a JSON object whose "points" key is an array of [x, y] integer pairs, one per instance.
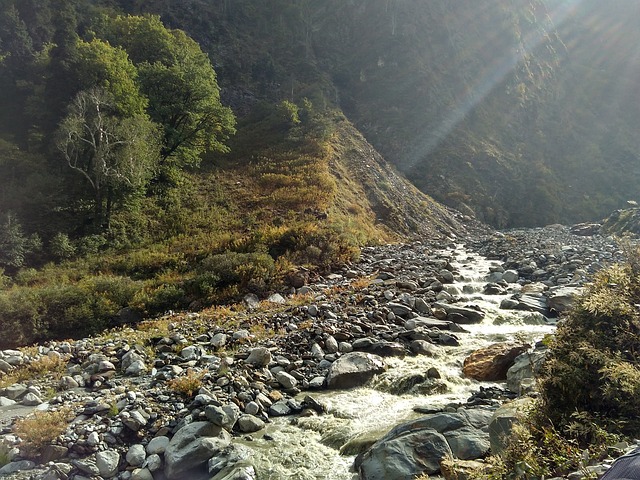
{"points": [[246, 270], [61, 247], [594, 364]]}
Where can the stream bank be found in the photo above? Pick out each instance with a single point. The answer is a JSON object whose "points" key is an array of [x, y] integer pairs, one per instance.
{"points": [[420, 308]]}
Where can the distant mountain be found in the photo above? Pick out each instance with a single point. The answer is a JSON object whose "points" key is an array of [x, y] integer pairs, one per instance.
{"points": [[520, 112]]}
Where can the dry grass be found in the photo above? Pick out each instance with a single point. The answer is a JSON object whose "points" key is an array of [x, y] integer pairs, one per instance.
{"points": [[39, 430], [188, 384], [53, 366]]}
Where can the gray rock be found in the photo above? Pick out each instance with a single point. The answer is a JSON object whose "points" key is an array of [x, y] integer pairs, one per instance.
{"points": [[5, 366], [107, 462], [31, 400], [136, 455], [276, 298], [423, 347], [141, 474], [280, 409], [18, 466], [468, 443], [67, 383], [510, 276], [230, 456], [157, 445], [190, 353], [251, 300], [86, 466], [404, 455], [133, 364], [192, 446], [249, 423], [15, 391], [354, 369], [252, 408], [153, 462], [457, 314], [259, 357], [224, 417], [525, 366], [6, 402], [502, 423], [93, 439], [242, 471], [286, 380], [219, 340], [331, 344], [134, 420], [562, 299]]}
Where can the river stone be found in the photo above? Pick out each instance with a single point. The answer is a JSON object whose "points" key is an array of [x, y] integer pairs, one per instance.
{"points": [[141, 474], [153, 462], [6, 402], [107, 462], [17, 466], [286, 380], [331, 344], [249, 423], [230, 456], [225, 416], [192, 446], [468, 443], [157, 445], [404, 456], [240, 471], [136, 455], [422, 347], [259, 357], [562, 299], [510, 276], [491, 363], [502, 423], [467, 314], [354, 369], [427, 322], [524, 367]]}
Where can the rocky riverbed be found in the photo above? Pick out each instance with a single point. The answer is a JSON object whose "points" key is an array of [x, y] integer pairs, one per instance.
{"points": [[341, 370]]}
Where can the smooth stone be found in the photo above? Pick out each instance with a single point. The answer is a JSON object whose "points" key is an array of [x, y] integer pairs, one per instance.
{"points": [[107, 462]]}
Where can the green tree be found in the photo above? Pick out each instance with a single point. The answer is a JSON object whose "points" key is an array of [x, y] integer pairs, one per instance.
{"points": [[116, 155], [100, 65], [14, 244], [181, 85]]}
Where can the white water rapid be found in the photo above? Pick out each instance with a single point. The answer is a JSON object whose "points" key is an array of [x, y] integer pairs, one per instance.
{"points": [[323, 447]]}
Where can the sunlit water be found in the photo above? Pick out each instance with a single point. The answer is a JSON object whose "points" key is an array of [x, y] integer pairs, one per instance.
{"points": [[323, 447]]}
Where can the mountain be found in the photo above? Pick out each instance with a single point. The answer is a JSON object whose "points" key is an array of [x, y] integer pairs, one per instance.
{"points": [[515, 111]]}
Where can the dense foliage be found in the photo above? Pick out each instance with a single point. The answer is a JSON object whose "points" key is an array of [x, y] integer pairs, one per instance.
{"points": [[594, 367]]}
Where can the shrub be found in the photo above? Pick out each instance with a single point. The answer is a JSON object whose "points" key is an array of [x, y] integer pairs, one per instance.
{"points": [[593, 365], [188, 384], [40, 430], [242, 269]]}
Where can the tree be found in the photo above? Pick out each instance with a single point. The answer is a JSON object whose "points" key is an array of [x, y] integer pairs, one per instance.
{"points": [[180, 83], [13, 243], [98, 64], [116, 155]]}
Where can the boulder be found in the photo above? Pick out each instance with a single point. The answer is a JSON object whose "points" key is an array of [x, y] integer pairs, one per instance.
{"points": [[562, 299], [525, 367], [354, 369], [192, 446], [249, 423], [259, 357], [491, 363], [464, 315], [107, 462], [502, 423], [404, 455]]}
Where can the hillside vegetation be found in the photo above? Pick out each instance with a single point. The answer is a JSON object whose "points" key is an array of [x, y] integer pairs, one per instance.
{"points": [[162, 155]]}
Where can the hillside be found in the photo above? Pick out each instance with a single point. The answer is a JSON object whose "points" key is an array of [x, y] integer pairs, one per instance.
{"points": [[512, 111]]}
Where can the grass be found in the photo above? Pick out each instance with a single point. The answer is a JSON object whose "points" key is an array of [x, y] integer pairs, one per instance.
{"points": [[43, 366], [188, 384], [39, 430]]}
